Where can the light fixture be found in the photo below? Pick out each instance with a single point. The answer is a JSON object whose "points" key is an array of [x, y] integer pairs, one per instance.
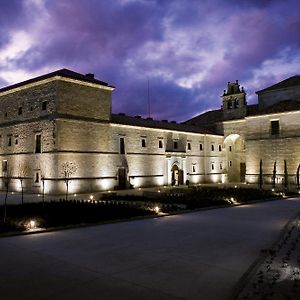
{"points": [[157, 209]]}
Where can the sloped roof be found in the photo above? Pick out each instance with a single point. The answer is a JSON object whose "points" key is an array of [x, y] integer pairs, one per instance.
{"points": [[63, 73], [283, 106], [149, 123], [214, 116], [208, 117], [289, 82]]}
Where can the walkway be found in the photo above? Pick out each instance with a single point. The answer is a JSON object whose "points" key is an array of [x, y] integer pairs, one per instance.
{"points": [[198, 255]]}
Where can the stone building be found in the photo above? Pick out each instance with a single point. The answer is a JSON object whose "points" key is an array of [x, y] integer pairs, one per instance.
{"points": [[266, 133], [64, 118]]}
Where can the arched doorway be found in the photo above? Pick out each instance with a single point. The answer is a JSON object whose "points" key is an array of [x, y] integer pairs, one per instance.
{"points": [[235, 156], [177, 175]]}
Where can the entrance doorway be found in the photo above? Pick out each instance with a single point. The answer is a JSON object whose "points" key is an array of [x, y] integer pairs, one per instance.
{"points": [[243, 171], [177, 175], [122, 178]]}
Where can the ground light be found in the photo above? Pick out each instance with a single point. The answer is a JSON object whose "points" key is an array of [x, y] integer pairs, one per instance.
{"points": [[157, 209], [31, 225]]}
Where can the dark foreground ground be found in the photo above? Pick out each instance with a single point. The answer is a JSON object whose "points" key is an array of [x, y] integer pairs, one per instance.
{"points": [[199, 255]]}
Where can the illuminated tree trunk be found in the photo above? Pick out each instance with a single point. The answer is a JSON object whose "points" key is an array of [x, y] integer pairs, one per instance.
{"points": [[260, 174], [298, 177], [285, 176], [274, 176], [22, 191]]}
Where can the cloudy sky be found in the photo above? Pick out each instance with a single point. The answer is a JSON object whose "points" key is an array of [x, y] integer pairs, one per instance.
{"points": [[187, 49]]}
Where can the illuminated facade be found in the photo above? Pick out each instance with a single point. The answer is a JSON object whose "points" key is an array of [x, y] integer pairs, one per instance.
{"points": [[65, 117], [268, 131]]}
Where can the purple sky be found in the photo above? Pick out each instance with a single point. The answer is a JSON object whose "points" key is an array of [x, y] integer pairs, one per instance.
{"points": [[188, 49]]}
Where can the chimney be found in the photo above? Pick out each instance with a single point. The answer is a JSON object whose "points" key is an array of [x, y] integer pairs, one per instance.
{"points": [[90, 75]]}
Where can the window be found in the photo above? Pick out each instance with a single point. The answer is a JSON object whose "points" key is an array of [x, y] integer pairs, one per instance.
{"points": [[175, 145], [44, 105], [143, 143], [221, 167], [189, 146], [212, 167], [193, 168], [20, 110], [275, 127], [122, 145], [4, 166], [9, 141], [201, 147], [212, 147], [220, 148], [160, 144], [230, 163], [17, 142], [230, 148], [31, 108], [236, 103], [229, 104], [38, 143], [5, 115]]}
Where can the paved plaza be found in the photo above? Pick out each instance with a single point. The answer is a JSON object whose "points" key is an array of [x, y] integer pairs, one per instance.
{"points": [[200, 255]]}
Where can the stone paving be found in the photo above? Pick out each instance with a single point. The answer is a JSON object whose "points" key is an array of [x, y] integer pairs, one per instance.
{"points": [[277, 277], [200, 255]]}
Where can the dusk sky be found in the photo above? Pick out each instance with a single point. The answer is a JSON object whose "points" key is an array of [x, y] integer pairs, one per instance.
{"points": [[188, 49]]}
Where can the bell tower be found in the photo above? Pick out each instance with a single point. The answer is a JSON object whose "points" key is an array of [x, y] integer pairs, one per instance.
{"points": [[234, 105]]}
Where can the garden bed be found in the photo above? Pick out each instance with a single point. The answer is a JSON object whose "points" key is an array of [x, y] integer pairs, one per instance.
{"points": [[65, 213], [114, 207], [199, 197]]}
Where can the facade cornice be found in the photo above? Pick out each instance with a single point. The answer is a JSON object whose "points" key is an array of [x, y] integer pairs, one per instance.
{"points": [[56, 78]]}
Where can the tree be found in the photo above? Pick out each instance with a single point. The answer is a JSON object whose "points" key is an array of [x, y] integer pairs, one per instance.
{"points": [[298, 177], [23, 172], [260, 174], [6, 179], [285, 176], [68, 170], [274, 176], [43, 178]]}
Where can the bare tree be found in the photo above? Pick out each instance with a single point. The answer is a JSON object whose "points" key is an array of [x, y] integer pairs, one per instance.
{"points": [[68, 170], [285, 176], [298, 177], [274, 176], [261, 174], [43, 178], [6, 179], [23, 171]]}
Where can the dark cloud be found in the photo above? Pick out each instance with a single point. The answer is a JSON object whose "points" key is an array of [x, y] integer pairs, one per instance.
{"points": [[188, 50]]}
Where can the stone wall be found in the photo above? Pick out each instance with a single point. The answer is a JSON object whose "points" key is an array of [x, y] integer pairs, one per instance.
{"points": [[84, 101]]}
